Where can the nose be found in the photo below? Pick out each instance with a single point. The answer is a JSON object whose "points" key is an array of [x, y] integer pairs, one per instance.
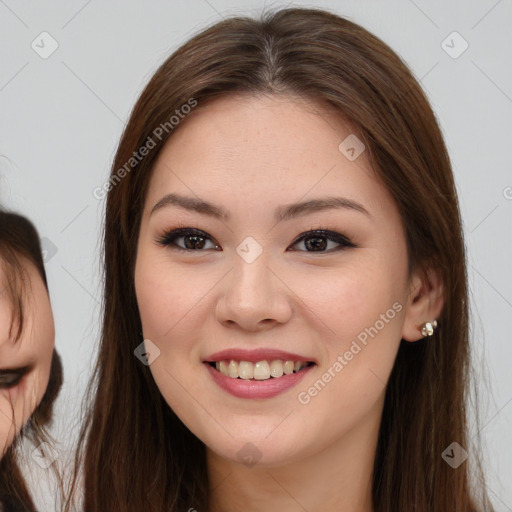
{"points": [[254, 297]]}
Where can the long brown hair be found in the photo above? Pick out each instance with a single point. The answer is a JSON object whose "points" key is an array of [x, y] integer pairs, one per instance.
{"points": [[138, 454], [19, 243]]}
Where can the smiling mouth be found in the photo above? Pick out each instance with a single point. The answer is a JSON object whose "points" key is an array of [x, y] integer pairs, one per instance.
{"points": [[261, 370]]}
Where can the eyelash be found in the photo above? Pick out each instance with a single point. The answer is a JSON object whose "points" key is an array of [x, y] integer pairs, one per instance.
{"points": [[5, 374], [168, 238]]}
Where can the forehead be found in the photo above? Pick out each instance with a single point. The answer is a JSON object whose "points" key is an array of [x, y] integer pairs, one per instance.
{"points": [[9, 281], [244, 148], [272, 128], [10, 293], [19, 279]]}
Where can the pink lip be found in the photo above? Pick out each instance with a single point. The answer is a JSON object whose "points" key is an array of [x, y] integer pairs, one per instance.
{"points": [[257, 389], [261, 354]]}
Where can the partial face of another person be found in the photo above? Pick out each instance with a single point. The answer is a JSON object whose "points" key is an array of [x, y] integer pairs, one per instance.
{"points": [[24, 363], [326, 287]]}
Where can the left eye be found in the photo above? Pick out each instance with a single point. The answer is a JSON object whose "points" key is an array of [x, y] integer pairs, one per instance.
{"points": [[194, 239], [319, 239]]}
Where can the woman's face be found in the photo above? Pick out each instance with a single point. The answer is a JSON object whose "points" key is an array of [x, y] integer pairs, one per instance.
{"points": [[253, 286], [24, 363]]}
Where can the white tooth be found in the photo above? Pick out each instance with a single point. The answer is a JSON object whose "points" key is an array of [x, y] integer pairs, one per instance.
{"points": [[261, 370], [276, 368], [288, 367], [223, 367], [233, 369], [246, 370], [299, 365]]}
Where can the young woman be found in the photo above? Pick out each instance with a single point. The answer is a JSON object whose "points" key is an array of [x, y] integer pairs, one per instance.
{"points": [[30, 369], [286, 322]]}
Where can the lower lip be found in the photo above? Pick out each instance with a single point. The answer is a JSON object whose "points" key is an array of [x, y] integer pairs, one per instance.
{"points": [[242, 388]]}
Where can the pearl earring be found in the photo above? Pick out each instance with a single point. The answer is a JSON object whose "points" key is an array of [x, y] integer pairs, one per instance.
{"points": [[428, 328]]}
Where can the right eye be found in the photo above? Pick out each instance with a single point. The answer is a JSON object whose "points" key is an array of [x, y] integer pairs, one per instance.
{"points": [[10, 378], [193, 239]]}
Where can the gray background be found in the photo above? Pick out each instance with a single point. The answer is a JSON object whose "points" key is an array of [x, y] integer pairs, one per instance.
{"points": [[62, 117]]}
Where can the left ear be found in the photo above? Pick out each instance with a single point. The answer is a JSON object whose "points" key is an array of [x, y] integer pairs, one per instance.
{"points": [[425, 302]]}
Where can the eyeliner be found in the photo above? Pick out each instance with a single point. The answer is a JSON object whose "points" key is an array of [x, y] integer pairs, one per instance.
{"points": [[10, 377]]}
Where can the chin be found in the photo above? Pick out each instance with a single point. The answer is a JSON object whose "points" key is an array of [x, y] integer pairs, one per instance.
{"points": [[260, 452]]}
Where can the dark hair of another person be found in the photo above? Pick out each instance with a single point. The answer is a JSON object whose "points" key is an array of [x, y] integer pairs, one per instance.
{"points": [[19, 243]]}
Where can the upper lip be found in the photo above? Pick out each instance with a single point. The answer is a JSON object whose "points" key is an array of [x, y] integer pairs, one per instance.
{"points": [[260, 354]]}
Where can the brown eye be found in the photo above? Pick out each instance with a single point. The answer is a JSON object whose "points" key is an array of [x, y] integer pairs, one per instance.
{"points": [[318, 241], [192, 239]]}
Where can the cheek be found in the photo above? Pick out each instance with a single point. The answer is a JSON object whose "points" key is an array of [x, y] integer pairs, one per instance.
{"points": [[362, 307], [168, 302], [164, 296], [170, 295], [16, 406], [33, 388], [353, 298]]}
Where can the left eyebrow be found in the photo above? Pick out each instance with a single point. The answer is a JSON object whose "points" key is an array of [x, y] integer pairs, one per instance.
{"points": [[315, 205], [281, 213]]}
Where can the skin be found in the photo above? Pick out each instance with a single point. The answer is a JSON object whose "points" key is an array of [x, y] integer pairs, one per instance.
{"points": [[250, 155], [34, 348]]}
